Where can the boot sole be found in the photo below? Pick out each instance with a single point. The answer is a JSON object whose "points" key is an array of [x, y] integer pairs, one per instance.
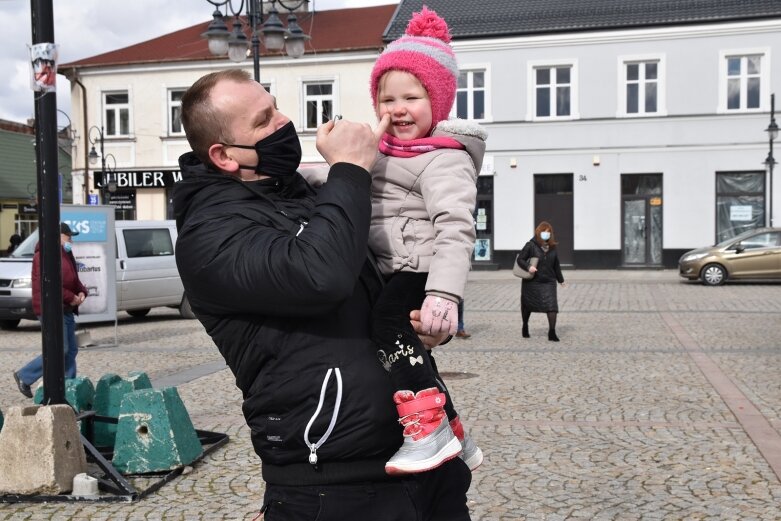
{"points": [[448, 452], [475, 460]]}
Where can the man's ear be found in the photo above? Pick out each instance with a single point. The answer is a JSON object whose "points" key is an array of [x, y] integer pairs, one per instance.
{"points": [[221, 160]]}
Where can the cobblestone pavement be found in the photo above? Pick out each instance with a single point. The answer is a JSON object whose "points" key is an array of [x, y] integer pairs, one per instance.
{"points": [[662, 401]]}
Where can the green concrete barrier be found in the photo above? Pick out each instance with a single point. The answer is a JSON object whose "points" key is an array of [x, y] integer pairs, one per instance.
{"points": [[109, 392], [79, 393], [154, 433]]}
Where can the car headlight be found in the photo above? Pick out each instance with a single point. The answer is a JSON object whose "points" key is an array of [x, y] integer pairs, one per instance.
{"points": [[691, 257], [25, 282]]}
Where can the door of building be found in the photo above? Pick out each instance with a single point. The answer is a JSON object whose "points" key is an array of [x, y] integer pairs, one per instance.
{"points": [[641, 226], [553, 203], [484, 221]]}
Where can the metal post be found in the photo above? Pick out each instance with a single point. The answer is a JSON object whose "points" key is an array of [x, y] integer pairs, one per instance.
{"points": [[102, 170], [770, 155], [49, 219], [254, 19]]}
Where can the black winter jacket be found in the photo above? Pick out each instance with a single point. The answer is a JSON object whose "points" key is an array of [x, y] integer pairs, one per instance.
{"points": [[278, 276]]}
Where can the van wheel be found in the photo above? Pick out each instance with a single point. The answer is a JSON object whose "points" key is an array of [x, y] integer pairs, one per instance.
{"points": [[185, 310], [8, 325], [138, 313], [713, 275]]}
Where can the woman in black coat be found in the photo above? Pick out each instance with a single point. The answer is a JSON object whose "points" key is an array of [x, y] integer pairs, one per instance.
{"points": [[538, 294]]}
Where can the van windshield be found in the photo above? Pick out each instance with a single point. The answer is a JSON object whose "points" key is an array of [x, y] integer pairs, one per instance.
{"points": [[27, 248]]}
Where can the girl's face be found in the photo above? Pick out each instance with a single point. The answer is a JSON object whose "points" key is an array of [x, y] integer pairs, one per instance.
{"points": [[405, 99]]}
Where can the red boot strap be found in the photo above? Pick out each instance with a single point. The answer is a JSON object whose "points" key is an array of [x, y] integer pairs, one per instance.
{"points": [[434, 401]]}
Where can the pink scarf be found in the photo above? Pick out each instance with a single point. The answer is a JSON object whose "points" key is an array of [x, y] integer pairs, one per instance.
{"points": [[392, 146]]}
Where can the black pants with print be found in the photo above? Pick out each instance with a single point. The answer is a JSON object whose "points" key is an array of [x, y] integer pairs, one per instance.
{"points": [[435, 495], [399, 349]]}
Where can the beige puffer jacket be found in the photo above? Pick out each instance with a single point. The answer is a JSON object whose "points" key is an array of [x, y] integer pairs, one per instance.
{"points": [[422, 210]]}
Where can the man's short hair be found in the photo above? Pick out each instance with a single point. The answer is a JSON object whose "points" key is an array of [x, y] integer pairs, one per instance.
{"points": [[203, 124]]}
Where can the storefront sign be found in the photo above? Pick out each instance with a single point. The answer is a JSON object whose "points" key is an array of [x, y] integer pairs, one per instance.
{"points": [[122, 200], [28, 208], [740, 213], [138, 178]]}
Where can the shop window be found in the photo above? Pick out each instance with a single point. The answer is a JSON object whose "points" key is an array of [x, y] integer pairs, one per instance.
{"points": [[740, 203]]}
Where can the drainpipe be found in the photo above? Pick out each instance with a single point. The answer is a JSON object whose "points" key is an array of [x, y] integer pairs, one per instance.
{"points": [[85, 188]]}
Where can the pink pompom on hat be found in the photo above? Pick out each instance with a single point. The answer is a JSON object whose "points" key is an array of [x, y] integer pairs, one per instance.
{"points": [[424, 52]]}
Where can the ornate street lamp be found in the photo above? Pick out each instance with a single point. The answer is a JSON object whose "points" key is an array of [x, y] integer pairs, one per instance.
{"points": [[93, 156], [275, 36], [770, 161]]}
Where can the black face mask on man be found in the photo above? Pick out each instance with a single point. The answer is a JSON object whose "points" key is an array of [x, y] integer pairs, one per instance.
{"points": [[278, 154]]}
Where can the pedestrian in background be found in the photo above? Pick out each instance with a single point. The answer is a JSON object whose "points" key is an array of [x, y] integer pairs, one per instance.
{"points": [[14, 243], [73, 294], [461, 332], [538, 294]]}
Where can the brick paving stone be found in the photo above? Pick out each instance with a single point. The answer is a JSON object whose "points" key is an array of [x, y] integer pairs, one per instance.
{"points": [[615, 422]]}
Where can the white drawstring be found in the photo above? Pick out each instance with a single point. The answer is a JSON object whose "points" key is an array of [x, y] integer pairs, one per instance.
{"points": [[314, 446]]}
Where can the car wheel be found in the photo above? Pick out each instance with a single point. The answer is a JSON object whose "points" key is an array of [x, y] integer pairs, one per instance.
{"points": [[9, 324], [185, 310], [713, 275], [138, 313]]}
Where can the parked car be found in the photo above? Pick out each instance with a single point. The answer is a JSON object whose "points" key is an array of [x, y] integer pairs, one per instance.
{"points": [[755, 254], [146, 273]]}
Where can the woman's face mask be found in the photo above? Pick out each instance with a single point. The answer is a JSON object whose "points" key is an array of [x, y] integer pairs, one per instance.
{"points": [[544, 236], [68, 247], [278, 154]]}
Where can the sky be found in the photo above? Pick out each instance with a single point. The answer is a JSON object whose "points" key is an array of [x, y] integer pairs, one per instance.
{"points": [[84, 28]]}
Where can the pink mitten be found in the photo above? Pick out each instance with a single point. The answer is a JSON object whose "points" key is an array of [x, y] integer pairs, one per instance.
{"points": [[439, 315]]}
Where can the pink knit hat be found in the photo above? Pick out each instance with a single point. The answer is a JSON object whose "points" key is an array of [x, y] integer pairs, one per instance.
{"points": [[425, 53]]}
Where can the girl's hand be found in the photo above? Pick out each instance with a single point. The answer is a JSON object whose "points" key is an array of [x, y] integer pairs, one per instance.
{"points": [[439, 315], [532, 269]]}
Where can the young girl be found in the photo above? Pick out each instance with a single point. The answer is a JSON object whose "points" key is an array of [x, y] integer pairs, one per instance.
{"points": [[422, 232]]}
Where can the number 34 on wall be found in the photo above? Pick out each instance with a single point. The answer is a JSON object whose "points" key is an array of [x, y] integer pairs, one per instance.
{"points": [[582, 177]]}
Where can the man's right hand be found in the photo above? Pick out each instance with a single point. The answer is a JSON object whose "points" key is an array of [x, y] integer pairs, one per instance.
{"points": [[350, 142]]}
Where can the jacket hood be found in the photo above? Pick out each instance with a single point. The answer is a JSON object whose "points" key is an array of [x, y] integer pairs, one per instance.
{"points": [[469, 134]]}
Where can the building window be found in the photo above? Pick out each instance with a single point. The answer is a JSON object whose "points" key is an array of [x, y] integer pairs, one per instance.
{"points": [[642, 82], [116, 107], [471, 95], [318, 103], [743, 80], [175, 112], [553, 90], [641, 86], [740, 203]]}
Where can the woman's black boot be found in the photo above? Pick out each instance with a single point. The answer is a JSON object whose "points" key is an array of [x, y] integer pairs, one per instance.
{"points": [[525, 331], [552, 335]]}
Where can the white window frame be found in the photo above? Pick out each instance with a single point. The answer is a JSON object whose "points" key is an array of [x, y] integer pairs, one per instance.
{"points": [[116, 107], [470, 69], [170, 104], [764, 80], [531, 90], [334, 97], [661, 85]]}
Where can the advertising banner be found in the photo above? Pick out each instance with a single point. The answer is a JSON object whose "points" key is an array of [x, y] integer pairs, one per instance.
{"points": [[95, 251]]}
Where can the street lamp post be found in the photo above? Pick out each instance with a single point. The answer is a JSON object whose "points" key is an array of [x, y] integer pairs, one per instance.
{"points": [[93, 159], [770, 161], [275, 36]]}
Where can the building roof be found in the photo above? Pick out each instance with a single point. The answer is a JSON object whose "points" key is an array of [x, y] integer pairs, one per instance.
{"points": [[491, 18], [336, 30], [17, 169]]}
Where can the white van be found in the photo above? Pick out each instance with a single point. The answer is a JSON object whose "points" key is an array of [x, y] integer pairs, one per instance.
{"points": [[146, 273]]}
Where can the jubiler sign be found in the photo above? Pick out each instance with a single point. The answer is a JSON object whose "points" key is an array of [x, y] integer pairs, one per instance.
{"points": [[138, 178]]}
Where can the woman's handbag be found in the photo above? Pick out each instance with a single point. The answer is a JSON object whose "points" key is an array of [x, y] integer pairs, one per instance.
{"points": [[522, 273]]}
